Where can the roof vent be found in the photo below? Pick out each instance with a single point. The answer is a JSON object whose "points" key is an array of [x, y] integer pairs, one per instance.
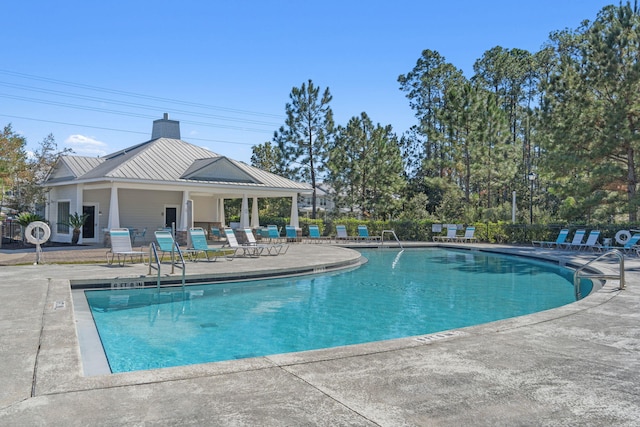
{"points": [[165, 128]]}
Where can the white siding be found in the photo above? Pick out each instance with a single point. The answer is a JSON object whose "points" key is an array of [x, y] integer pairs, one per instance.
{"points": [[144, 208], [204, 209]]}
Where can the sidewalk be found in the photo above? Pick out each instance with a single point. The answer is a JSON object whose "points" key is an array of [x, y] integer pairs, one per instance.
{"points": [[53, 255]]}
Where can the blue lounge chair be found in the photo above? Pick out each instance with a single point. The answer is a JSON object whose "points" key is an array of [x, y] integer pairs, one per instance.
{"points": [[630, 246], [274, 233], [199, 245], [167, 245], [214, 233], [363, 233], [314, 235], [292, 234], [138, 235], [562, 237]]}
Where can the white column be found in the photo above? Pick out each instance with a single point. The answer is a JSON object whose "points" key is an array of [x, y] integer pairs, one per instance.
{"points": [[295, 222], [184, 214], [244, 212], [255, 220], [79, 203], [221, 217], [216, 209], [114, 209]]}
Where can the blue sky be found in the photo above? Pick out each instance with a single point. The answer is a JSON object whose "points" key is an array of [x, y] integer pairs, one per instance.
{"points": [[96, 74]]}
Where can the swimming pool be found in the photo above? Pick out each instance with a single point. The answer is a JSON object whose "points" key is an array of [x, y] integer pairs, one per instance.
{"points": [[396, 294]]}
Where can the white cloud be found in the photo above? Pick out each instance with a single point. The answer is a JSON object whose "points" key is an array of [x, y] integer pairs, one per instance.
{"points": [[86, 146]]}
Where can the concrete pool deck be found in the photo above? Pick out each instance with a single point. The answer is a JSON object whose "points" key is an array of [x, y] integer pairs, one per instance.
{"points": [[575, 365]]}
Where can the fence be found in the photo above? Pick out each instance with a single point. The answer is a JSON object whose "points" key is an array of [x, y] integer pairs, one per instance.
{"points": [[11, 233]]}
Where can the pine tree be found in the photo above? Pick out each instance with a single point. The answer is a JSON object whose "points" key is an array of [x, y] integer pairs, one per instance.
{"points": [[304, 137]]}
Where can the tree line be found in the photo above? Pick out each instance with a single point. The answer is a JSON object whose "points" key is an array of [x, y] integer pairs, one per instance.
{"points": [[559, 127]]}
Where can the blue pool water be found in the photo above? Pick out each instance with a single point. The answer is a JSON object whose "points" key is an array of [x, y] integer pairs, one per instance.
{"points": [[415, 292]]}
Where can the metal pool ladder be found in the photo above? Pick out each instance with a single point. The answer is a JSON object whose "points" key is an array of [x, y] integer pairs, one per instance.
{"points": [[394, 235], [579, 274], [154, 251]]}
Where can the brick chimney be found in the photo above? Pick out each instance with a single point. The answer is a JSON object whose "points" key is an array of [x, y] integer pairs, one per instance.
{"points": [[165, 128]]}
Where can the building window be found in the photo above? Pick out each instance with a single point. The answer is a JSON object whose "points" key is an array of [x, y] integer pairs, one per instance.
{"points": [[63, 217]]}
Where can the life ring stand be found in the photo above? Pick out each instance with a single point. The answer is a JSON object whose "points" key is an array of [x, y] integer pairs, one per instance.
{"points": [[42, 234], [622, 236]]}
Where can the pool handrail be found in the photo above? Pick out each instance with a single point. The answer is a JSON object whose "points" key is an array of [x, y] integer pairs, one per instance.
{"points": [[392, 232], [577, 274], [154, 251]]}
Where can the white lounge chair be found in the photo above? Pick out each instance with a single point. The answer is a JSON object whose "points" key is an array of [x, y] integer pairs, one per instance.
{"points": [[232, 243], [576, 242], [469, 235], [271, 248], [562, 237], [341, 233], [451, 236], [121, 246], [199, 245], [592, 242]]}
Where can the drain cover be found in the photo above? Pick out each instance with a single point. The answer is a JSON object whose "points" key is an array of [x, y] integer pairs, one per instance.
{"points": [[439, 336], [208, 325]]}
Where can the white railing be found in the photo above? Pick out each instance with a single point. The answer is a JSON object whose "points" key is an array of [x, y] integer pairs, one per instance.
{"points": [[578, 274], [392, 232]]}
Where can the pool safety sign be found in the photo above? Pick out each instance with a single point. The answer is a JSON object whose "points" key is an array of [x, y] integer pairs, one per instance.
{"points": [[127, 284]]}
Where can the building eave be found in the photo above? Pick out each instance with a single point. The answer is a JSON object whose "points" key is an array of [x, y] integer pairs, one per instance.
{"points": [[211, 186]]}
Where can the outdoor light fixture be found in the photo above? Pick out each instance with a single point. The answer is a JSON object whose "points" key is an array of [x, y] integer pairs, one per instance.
{"points": [[532, 177]]}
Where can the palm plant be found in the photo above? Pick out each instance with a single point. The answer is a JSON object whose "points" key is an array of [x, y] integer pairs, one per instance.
{"points": [[76, 221]]}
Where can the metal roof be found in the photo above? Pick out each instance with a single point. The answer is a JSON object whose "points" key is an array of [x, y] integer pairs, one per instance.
{"points": [[80, 165], [174, 161]]}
